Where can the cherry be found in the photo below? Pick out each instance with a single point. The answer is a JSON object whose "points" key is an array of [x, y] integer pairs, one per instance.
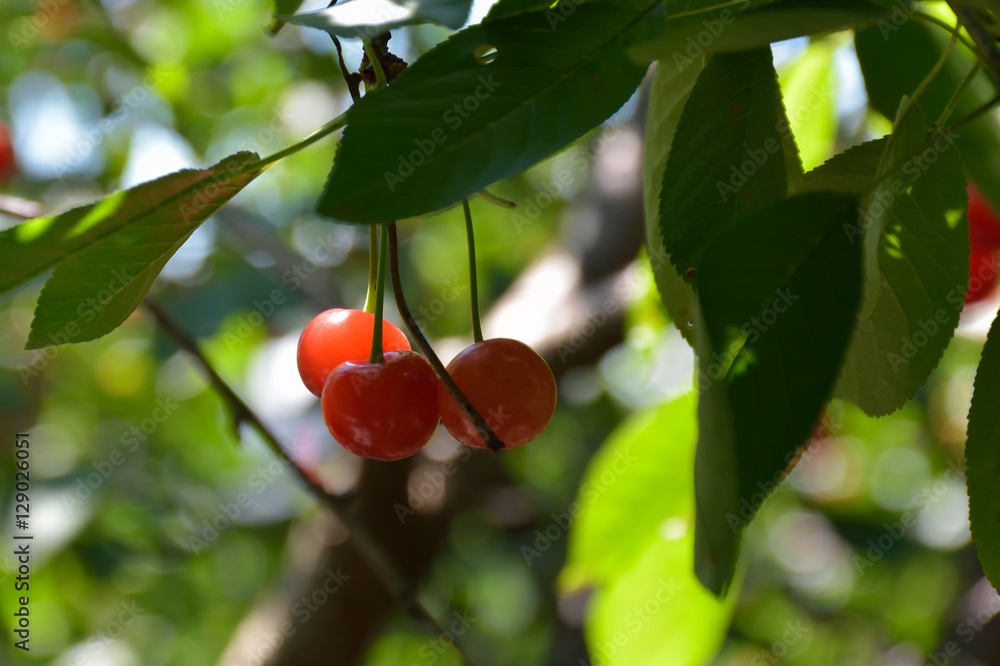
{"points": [[337, 336], [982, 274], [984, 223], [386, 411], [8, 166], [511, 386]]}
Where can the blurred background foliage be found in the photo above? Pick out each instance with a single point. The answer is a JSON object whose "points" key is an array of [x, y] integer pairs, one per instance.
{"points": [[862, 557]]}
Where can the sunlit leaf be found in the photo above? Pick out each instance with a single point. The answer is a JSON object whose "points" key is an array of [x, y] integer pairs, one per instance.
{"points": [[367, 18], [633, 540], [107, 254]]}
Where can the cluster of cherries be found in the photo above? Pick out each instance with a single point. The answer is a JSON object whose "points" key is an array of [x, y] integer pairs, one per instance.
{"points": [[984, 238], [390, 410], [381, 400]]}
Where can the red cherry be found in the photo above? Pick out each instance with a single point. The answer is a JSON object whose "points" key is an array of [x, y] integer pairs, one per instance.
{"points": [[984, 223], [385, 411], [982, 274], [511, 386], [337, 336], [8, 166]]}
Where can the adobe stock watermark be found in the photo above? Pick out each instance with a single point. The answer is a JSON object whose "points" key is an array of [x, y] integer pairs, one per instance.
{"points": [[588, 492], [302, 611], [212, 191], [87, 311], [914, 168], [435, 648], [794, 632], [751, 332], [86, 485], [123, 107], [454, 117], [433, 484], [697, 44], [635, 620], [553, 189], [902, 11], [894, 532], [967, 629], [29, 26], [230, 512], [757, 157], [98, 643]]}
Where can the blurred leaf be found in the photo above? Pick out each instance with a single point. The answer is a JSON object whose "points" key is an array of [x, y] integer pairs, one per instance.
{"points": [[633, 539], [668, 93], [726, 159], [399, 648], [916, 241], [778, 294], [895, 59], [283, 7], [367, 18], [738, 27], [486, 104], [503, 8], [982, 455], [108, 253], [808, 91]]}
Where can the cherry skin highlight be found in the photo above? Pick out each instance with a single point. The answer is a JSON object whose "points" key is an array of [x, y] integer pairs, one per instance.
{"points": [[984, 223], [386, 411], [337, 336], [511, 386], [982, 274]]}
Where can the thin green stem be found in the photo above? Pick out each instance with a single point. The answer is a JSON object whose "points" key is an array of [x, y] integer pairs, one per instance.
{"points": [[372, 268], [337, 123], [495, 200], [976, 114], [477, 327], [938, 66], [376, 355], [493, 443], [380, 79], [950, 29], [957, 97]]}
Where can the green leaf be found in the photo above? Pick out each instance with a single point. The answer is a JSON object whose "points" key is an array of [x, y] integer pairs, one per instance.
{"points": [[633, 539], [808, 91], [916, 240], [108, 253], [668, 93], [726, 159], [896, 58], [367, 18], [485, 104], [511, 7], [778, 296], [982, 455], [283, 7], [850, 172], [732, 28]]}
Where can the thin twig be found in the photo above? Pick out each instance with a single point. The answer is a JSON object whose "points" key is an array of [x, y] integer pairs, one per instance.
{"points": [[985, 43], [18, 207], [373, 555], [493, 443]]}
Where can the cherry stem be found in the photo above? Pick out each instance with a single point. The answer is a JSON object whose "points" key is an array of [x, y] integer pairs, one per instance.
{"points": [[372, 269], [493, 443], [370, 550], [477, 327], [380, 79], [376, 355]]}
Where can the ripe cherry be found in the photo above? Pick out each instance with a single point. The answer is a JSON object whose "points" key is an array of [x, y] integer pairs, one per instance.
{"points": [[337, 336], [984, 223], [386, 411], [982, 274], [511, 386], [8, 166]]}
